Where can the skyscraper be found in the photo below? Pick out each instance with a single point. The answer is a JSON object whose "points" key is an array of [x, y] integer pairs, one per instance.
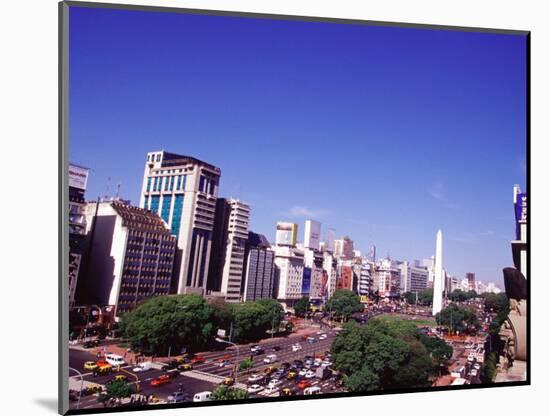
{"points": [[471, 278], [312, 234], [78, 177], [343, 248], [438, 282], [260, 268], [130, 256], [182, 190]]}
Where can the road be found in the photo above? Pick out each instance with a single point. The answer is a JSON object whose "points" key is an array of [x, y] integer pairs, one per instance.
{"points": [[207, 375]]}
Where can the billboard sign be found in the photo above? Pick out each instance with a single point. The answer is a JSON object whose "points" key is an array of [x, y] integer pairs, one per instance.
{"points": [[521, 212], [312, 235], [78, 177], [286, 234]]}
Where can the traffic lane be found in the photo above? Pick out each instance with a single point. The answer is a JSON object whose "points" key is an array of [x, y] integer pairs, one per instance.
{"points": [[77, 358]]}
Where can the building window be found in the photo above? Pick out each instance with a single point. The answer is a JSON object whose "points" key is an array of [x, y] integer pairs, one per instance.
{"points": [[176, 215], [148, 184], [155, 199], [158, 157], [166, 205]]}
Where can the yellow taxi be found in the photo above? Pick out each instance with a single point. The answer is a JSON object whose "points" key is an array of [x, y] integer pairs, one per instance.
{"points": [[90, 365], [120, 377], [287, 392], [228, 381], [291, 375], [185, 367]]}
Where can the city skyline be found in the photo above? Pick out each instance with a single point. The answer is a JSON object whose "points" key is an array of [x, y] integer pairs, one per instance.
{"points": [[463, 173]]}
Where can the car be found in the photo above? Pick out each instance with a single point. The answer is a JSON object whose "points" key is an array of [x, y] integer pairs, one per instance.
{"points": [[173, 373], [141, 367], [308, 357], [323, 336], [177, 397], [326, 363], [119, 377], [170, 365], [297, 364], [259, 351], [317, 362], [185, 367], [228, 381], [254, 388], [311, 340], [276, 348], [159, 381], [226, 357], [90, 343], [90, 365], [198, 359], [303, 372], [302, 384], [309, 374], [93, 389], [296, 347], [224, 363], [312, 390], [253, 348], [477, 366], [291, 375], [271, 389], [115, 360], [473, 372], [320, 332], [287, 392], [103, 370], [285, 365], [269, 370], [275, 382], [271, 358], [254, 378]]}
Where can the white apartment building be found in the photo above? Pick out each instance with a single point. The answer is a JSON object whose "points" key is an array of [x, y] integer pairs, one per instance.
{"points": [[414, 278], [330, 267], [313, 259], [387, 278], [289, 269], [182, 190], [237, 235]]}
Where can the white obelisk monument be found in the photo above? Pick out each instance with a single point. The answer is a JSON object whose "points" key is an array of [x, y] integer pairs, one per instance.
{"points": [[438, 274]]}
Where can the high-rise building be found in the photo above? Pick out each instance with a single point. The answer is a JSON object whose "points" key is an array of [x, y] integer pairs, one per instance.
{"points": [[313, 262], [519, 244], [130, 255], [260, 268], [387, 278], [365, 282], [343, 248], [438, 282], [289, 273], [182, 190], [330, 265], [345, 280], [228, 249], [414, 277], [471, 278], [312, 234], [78, 178], [286, 234], [329, 240]]}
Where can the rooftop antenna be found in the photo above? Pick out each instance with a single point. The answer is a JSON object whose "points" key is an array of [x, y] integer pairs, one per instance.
{"points": [[107, 188], [117, 190]]}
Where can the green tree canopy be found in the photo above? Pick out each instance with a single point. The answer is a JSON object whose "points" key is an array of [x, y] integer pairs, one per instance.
{"points": [[301, 307], [410, 297], [344, 303], [116, 390], [229, 393], [458, 318], [440, 351], [426, 296], [252, 320], [170, 321], [384, 354]]}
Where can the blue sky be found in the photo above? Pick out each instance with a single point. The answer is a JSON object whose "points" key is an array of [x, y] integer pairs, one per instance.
{"points": [[384, 134]]}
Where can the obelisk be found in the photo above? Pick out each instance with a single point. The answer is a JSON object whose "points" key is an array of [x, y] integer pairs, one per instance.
{"points": [[438, 274]]}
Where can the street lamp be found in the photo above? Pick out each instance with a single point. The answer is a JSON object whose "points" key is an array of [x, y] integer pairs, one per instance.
{"points": [[181, 307], [81, 385], [223, 341]]}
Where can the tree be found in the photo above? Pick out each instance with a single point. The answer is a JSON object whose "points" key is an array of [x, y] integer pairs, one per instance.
{"points": [[301, 307], [384, 354], [229, 393], [458, 295], [458, 318], [426, 296], [246, 364], [344, 303], [116, 390], [410, 297], [170, 322], [251, 320], [439, 350]]}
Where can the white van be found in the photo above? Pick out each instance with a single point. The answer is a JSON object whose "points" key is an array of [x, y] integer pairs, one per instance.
{"points": [[141, 367], [271, 358], [115, 360], [203, 396], [312, 390]]}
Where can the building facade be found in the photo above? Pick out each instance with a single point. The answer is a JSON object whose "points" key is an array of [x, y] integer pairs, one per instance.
{"points": [[78, 178], [183, 190], [286, 234], [312, 234], [131, 255], [289, 271], [343, 248], [260, 269], [414, 277], [387, 279]]}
